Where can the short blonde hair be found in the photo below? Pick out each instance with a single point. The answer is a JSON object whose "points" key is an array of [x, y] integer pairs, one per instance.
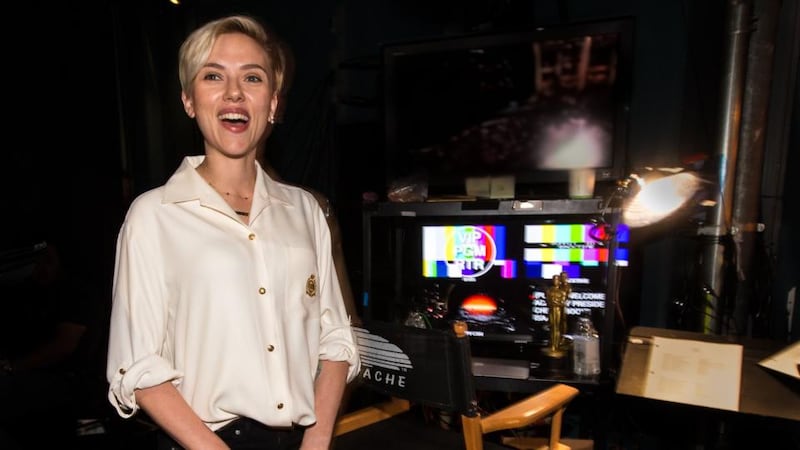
{"points": [[195, 49]]}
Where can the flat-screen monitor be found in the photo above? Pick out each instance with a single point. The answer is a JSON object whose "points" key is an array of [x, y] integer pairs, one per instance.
{"points": [[492, 271], [533, 104]]}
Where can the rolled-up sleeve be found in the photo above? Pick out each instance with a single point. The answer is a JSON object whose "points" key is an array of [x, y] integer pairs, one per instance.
{"points": [[338, 344], [149, 371], [337, 341], [138, 318]]}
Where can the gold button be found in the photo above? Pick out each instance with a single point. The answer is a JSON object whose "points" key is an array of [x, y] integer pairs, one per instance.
{"points": [[280, 405], [262, 291], [122, 371], [252, 236], [270, 348]]}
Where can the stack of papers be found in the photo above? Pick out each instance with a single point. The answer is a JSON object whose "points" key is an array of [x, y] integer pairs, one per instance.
{"points": [[694, 372]]}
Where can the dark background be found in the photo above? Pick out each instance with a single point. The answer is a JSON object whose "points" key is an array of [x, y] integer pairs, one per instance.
{"points": [[93, 104], [93, 117]]}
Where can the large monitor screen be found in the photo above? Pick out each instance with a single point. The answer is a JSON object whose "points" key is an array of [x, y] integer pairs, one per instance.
{"points": [[532, 104]]}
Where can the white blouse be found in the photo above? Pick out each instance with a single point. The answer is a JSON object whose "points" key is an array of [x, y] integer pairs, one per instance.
{"points": [[236, 316]]}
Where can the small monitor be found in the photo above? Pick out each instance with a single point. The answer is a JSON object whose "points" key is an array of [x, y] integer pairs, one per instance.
{"points": [[580, 249], [465, 251], [470, 268]]}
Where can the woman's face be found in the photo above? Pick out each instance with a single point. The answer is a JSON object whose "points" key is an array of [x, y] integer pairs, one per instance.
{"points": [[232, 97]]}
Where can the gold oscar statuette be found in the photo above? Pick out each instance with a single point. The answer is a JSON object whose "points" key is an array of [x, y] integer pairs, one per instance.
{"points": [[557, 296]]}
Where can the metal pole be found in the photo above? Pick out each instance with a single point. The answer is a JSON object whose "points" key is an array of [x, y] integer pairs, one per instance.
{"points": [[751, 160], [717, 229]]}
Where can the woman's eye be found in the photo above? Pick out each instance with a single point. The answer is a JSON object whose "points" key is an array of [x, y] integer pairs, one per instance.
{"points": [[212, 76], [253, 78]]}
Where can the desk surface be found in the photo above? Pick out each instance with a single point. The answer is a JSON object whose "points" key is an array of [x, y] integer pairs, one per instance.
{"points": [[763, 392]]}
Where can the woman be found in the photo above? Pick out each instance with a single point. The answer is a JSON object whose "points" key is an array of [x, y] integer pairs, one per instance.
{"points": [[228, 326]]}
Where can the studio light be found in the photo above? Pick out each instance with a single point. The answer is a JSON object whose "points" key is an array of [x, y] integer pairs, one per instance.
{"points": [[658, 194]]}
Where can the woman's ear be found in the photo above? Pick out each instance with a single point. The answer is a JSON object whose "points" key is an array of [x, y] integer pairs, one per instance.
{"points": [[188, 105], [273, 109]]}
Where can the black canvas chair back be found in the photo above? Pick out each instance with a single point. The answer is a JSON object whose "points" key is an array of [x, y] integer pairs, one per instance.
{"points": [[424, 366]]}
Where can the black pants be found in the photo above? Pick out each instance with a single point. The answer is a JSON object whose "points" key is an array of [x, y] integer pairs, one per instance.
{"points": [[247, 434]]}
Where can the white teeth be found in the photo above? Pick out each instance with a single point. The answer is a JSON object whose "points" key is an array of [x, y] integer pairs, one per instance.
{"points": [[233, 116]]}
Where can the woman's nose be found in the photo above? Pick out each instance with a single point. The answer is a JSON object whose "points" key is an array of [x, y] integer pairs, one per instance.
{"points": [[233, 92]]}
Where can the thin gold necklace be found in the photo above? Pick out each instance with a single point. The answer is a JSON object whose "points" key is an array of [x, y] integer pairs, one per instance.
{"points": [[226, 192], [241, 213]]}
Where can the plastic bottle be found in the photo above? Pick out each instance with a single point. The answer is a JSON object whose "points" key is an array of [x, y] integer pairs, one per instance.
{"points": [[586, 348]]}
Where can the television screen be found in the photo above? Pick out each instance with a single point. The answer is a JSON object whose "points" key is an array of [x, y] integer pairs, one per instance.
{"points": [[476, 279], [465, 251], [531, 104], [583, 252], [490, 271]]}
